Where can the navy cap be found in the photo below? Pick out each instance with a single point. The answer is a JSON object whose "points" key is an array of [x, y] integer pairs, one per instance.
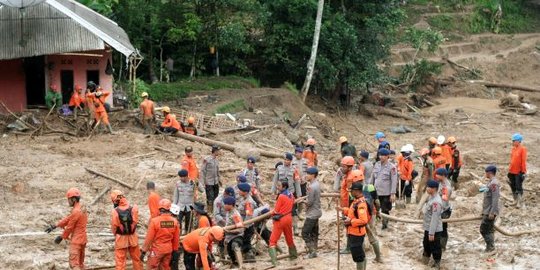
{"points": [[245, 187], [183, 173], [357, 186], [491, 168], [433, 184], [215, 148], [229, 191], [312, 170], [229, 201], [364, 154], [251, 160], [441, 171], [288, 156], [241, 178], [299, 150], [384, 152]]}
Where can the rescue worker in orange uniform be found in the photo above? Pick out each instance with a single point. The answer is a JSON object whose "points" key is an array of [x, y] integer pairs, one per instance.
{"points": [[100, 113], [438, 159], [517, 168], [76, 102], [406, 169], [196, 244], [446, 151], [432, 142], [356, 219], [90, 89], [343, 175], [456, 163], [162, 238], [190, 164], [153, 199], [428, 171], [74, 226], [203, 220], [148, 115], [124, 219], [310, 154], [170, 125], [282, 218], [191, 128]]}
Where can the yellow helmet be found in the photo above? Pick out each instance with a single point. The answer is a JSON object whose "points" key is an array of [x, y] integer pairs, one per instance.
{"points": [[166, 109], [342, 139], [144, 94]]}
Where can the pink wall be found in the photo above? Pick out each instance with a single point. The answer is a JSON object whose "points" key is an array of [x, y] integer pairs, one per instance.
{"points": [[12, 85], [80, 64]]}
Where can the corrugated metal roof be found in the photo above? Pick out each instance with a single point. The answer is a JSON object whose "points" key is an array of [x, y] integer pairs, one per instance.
{"points": [[57, 26]]}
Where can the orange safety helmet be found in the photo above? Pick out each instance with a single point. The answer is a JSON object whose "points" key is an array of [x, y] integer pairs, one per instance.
{"points": [[73, 192], [451, 139], [437, 150], [348, 160], [217, 232], [311, 141], [357, 175], [191, 120], [432, 140], [165, 204], [115, 194], [78, 87], [424, 151]]}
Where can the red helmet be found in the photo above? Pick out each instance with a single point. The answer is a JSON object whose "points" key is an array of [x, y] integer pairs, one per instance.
{"points": [[165, 204], [357, 175], [73, 192], [217, 232], [348, 160], [115, 194]]}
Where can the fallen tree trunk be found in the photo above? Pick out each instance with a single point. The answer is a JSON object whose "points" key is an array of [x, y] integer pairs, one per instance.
{"points": [[223, 145], [503, 85], [110, 178], [377, 110], [419, 221]]}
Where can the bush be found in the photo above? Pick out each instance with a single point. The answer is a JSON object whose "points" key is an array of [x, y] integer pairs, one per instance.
{"points": [[232, 107], [418, 73]]}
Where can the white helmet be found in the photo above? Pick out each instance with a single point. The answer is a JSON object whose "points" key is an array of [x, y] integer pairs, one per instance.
{"points": [[410, 147], [175, 209], [441, 139], [404, 149]]}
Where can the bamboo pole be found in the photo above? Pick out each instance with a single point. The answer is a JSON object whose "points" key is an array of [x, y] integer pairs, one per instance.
{"points": [[110, 178]]}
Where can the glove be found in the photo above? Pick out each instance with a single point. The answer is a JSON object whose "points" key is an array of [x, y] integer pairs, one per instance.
{"points": [[58, 239], [483, 189], [50, 228], [143, 254], [264, 211]]}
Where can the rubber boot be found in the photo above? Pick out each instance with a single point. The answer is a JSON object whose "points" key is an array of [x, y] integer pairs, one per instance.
{"points": [[408, 200], [377, 251], [295, 226], [346, 250], [518, 201], [384, 223], [436, 265], [110, 129], [361, 265], [273, 256], [293, 254], [239, 256], [444, 240], [279, 250], [513, 203], [490, 242], [312, 250], [425, 260]]}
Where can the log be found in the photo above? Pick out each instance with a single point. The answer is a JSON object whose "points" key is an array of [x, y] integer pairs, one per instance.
{"points": [[103, 192], [140, 181], [300, 121], [18, 118], [514, 234], [249, 133], [419, 221], [377, 110], [163, 149], [223, 145], [502, 85], [110, 178]]}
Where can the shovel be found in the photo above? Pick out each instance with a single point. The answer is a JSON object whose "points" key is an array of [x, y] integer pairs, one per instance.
{"points": [[400, 204]]}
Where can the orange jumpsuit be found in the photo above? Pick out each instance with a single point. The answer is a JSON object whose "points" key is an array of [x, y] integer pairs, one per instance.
{"points": [[310, 156], [358, 225], [171, 122], [76, 100], [99, 104], [346, 184], [153, 204], [439, 162], [284, 206], [74, 226], [190, 129], [189, 164], [127, 242], [197, 242], [447, 154], [162, 238], [90, 102], [405, 168], [204, 222], [518, 160]]}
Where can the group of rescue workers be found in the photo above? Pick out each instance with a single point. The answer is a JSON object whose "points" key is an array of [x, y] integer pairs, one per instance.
{"points": [[236, 215]]}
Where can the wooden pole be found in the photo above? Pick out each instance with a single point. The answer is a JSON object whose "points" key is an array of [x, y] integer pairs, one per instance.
{"points": [[338, 235], [103, 192], [110, 178]]}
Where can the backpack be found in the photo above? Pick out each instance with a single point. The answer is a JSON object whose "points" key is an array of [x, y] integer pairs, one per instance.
{"points": [[126, 220]]}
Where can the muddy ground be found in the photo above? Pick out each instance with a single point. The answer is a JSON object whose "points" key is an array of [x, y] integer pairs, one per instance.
{"points": [[37, 172]]}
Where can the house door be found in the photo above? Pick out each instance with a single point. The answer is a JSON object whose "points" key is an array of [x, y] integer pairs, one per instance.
{"points": [[66, 79], [92, 75], [34, 71]]}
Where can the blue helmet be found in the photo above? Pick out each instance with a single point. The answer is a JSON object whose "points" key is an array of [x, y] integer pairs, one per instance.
{"points": [[517, 137], [379, 135]]}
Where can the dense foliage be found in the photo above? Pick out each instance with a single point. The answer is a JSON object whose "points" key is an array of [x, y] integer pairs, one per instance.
{"points": [[269, 40]]}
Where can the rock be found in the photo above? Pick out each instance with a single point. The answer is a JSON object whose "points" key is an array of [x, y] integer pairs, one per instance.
{"points": [[18, 188]]}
